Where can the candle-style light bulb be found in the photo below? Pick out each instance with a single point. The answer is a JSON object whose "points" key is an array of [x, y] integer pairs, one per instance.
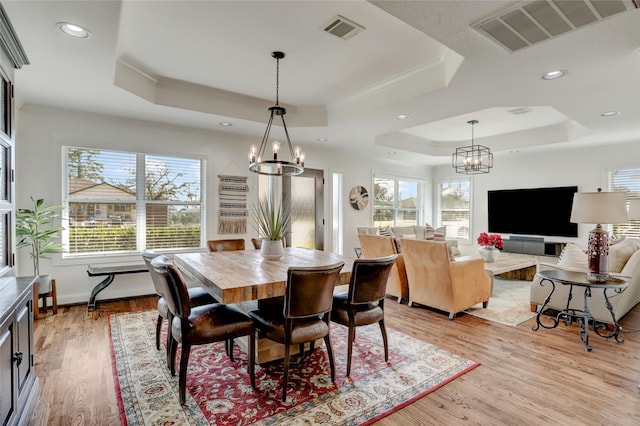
{"points": [[276, 149], [302, 159], [253, 150]]}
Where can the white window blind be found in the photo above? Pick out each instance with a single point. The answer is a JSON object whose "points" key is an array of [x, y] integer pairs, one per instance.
{"points": [[454, 207], [110, 213], [626, 181]]}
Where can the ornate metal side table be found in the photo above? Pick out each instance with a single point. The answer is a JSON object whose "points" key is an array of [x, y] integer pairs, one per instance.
{"points": [[582, 317]]}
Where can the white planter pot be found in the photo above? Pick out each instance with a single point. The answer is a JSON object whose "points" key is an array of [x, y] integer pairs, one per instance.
{"points": [[271, 250], [489, 254], [44, 284]]}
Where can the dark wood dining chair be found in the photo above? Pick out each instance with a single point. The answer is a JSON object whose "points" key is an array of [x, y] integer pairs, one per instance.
{"points": [[363, 304], [306, 313], [199, 325], [226, 245], [197, 297]]}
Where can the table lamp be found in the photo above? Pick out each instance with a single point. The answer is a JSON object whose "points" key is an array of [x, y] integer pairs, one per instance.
{"points": [[598, 208]]}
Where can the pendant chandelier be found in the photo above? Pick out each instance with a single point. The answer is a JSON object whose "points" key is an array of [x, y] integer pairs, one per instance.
{"points": [[472, 159], [258, 163]]}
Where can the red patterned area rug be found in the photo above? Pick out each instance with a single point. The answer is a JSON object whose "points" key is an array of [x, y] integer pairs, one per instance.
{"points": [[219, 392]]}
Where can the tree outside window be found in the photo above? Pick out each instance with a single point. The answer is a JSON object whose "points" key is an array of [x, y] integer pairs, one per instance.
{"points": [[107, 213], [395, 202]]}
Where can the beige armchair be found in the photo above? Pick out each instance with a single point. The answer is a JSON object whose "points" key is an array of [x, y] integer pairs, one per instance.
{"points": [[374, 246], [441, 283]]}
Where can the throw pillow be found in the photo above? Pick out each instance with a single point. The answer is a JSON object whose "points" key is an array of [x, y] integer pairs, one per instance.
{"points": [[631, 265], [429, 232], [620, 253], [573, 257], [454, 251], [385, 231], [440, 234]]}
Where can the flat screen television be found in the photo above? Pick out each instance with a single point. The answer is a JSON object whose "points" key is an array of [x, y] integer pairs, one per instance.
{"points": [[533, 211]]}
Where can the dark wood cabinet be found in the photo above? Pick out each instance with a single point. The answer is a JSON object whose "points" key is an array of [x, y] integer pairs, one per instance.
{"points": [[18, 381]]}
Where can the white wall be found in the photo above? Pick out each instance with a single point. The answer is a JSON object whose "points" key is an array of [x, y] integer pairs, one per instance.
{"points": [[586, 167], [42, 131]]}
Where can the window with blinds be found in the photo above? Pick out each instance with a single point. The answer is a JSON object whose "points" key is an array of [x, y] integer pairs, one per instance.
{"points": [[454, 207], [125, 202], [626, 181], [396, 202]]}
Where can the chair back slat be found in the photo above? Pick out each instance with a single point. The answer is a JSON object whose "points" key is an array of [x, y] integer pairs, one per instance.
{"points": [[310, 290], [148, 255], [369, 279], [176, 292], [226, 245]]}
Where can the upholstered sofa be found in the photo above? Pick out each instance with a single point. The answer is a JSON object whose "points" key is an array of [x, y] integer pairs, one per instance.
{"points": [[417, 232], [624, 261], [414, 232]]}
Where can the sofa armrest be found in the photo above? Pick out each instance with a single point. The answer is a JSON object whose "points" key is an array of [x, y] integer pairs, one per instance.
{"points": [[543, 266]]}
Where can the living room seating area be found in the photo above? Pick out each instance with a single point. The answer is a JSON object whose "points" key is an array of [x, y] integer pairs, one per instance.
{"points": [[624, 262]]}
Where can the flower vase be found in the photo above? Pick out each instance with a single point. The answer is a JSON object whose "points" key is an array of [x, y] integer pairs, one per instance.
{"points": [[489, 254], [271, 250]]}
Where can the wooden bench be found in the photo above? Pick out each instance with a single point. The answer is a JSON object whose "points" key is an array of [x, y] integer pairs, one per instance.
{"points": [[110, 271]]}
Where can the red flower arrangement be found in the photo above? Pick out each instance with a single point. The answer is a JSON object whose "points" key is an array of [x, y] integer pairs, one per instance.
{"points": [[490, 240]]}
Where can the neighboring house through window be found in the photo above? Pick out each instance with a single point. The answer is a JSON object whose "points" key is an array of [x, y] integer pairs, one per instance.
{"points": [[396, 202], [454, 207], [121, 202]]}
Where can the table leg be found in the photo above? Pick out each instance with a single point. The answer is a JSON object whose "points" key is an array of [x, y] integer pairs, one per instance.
{"points": [[602, 326], [584, 320], [97, 289], [36, 300], [554, 321]]}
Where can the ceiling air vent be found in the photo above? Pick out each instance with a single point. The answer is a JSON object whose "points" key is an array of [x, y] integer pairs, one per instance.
{"points": [[343, 27], [539, 20], [520, 111]]}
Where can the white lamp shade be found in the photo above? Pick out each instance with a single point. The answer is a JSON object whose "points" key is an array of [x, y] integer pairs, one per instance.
{"points": [[634, 209], [599, 207]]}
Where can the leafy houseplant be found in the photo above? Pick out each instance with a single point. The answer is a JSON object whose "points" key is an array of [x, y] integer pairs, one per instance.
{"points": [[34, 230], [271, 220]]}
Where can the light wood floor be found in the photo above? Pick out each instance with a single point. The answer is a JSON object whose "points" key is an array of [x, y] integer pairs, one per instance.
{"points": [[534, 378]]}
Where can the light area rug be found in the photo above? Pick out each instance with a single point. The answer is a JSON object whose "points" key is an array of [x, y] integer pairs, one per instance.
{"points": [[219, 392], [509, 303]]}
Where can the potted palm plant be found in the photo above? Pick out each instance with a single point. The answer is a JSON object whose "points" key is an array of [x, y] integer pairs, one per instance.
{"points": [[35, 230], [271, 220]]}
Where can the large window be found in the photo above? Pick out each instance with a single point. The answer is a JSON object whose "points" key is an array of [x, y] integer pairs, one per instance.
{"points": [[627, 181], [454, 207], [396, 202], [124, 202]]}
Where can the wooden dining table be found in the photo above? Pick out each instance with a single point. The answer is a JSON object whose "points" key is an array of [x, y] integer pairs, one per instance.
{"points": [[244, 276]]}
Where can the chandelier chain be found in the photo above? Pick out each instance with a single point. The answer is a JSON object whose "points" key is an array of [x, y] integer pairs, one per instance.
{"points": [[277, 81]]}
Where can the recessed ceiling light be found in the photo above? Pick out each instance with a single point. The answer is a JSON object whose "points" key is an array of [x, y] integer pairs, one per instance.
{"points": [[610, 113], [391, 152], [225, 124], [552, 75], [73, 30], [402, 117], [321, 139]]}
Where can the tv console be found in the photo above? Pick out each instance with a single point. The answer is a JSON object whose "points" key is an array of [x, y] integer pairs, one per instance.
{"points": [[532, 245]]}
